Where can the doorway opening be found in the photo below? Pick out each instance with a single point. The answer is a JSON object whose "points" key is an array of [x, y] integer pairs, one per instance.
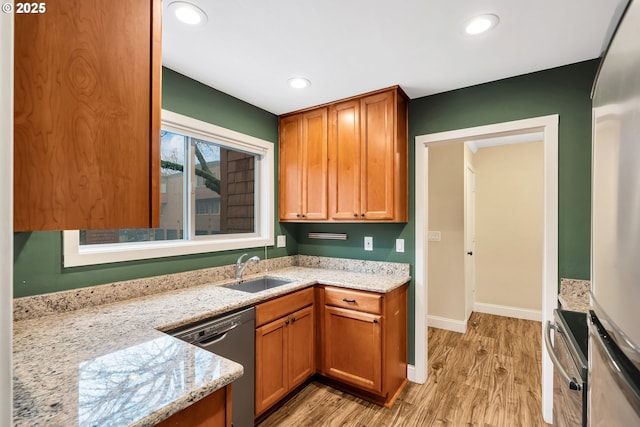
{"points": [[548, 126]]}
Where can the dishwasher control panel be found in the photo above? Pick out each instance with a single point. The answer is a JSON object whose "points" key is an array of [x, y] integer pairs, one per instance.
{"points": [[205, 329]]}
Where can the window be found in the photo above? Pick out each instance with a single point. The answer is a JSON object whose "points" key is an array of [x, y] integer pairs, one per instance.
{"points": [[216, 194]]}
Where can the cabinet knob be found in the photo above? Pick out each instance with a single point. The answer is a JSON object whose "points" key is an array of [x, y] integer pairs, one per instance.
{"points": [[286, 322], [293, 319], [304, 216], [375, 320], [297, 215], [362, 215], [355, 215], [352, 301]]}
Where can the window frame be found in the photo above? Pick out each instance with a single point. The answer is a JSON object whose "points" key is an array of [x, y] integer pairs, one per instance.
{"points": [[75, 255]]}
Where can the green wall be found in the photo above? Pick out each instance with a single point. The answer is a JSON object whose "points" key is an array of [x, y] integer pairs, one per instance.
{"points": [[38, 255], [564, 91]]}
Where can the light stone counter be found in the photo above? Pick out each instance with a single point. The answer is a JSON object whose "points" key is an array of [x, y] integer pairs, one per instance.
{"points": [[574, 295], [110, 364]]}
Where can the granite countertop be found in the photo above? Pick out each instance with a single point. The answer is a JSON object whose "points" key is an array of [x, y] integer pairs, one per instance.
{"points": [[574, 295], [111, 364]]}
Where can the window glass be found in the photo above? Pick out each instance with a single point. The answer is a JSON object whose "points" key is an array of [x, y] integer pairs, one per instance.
{"points": [[221, 200], [216, 194]]}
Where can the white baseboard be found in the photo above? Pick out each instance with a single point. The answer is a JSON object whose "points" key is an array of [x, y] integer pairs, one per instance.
{"points": [[411, 373], [503, 310], [447, 324]]}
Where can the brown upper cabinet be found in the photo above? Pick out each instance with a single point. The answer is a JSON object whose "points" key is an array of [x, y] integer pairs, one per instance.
{"points": [[303, 166], [87, 116], [367, 161]]}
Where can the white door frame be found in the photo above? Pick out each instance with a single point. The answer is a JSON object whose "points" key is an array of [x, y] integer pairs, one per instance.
{"points": [[469, 218], [6, 215], [549, 126]]}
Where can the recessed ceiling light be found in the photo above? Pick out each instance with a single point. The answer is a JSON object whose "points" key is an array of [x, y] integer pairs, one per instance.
{"points": [[481, 24], [299, 82], [188, 13]]}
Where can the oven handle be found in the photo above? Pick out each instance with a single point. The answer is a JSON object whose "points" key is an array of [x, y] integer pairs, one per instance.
{"points": [[574, 384]]}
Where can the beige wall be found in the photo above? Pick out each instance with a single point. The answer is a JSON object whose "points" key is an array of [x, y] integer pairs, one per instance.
{"points": [[446, 215], [509, 225]]}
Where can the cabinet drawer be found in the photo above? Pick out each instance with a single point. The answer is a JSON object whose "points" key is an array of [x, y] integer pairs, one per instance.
{"points": [[355, 300], [281, 306]]}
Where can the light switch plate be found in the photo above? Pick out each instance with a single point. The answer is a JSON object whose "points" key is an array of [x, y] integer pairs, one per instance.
{"points": [[282, 241], [434, 236], [368, 243], [399, 245]]}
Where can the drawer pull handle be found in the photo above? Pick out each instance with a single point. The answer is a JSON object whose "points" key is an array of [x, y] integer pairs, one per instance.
{"points": [[349, 300]]}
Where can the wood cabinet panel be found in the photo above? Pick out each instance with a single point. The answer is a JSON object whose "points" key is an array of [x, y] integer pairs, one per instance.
{"points": [[211, 411], [290, 168], [344, 160], [285, 347], [303, 166], [271, 364], [282, 306], [367, 161], [365, 353], [354, 300], [378, 157], [301, 341], [315, 165], [87, 121], [353, 347]]}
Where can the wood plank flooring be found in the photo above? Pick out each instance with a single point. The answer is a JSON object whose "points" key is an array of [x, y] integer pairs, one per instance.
{"points": [[488, 377]]}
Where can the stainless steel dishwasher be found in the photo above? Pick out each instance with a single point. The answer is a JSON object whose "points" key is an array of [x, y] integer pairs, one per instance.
{"points": [[231, 335]]}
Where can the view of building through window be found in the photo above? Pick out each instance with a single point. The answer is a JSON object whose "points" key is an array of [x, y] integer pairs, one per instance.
{"points": [[216, 197]]}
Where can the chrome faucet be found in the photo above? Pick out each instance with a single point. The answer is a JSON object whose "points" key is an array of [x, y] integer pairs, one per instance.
{"points": [[241, 266]]}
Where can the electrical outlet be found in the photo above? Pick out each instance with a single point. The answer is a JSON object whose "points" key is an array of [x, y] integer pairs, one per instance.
{"points": [[368, 243], [434, 236], [399, 245], [282, 241]]}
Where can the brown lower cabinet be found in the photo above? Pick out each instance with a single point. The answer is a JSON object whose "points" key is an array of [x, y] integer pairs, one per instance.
{"points": [[364, 342], [359, 344], [211, 411], [285, 346]]}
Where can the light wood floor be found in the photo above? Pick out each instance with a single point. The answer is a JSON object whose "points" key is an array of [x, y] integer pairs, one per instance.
{"points": [[490, 376]]}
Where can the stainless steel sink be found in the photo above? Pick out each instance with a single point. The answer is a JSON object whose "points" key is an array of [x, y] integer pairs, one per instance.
{"points": [[257, 285]]}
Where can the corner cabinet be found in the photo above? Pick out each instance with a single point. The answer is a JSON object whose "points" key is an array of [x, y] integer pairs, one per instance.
{"points": [[87, 115], [285, 346], [364, 341], [365, 165]]}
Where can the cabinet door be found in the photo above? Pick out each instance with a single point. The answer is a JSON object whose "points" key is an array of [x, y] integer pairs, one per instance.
{"points": [[87, 120], [353, 347], [301, 346], [344, 161], [290, 168], [211, 411], [271, 363], [378, 156], [315, 165]]}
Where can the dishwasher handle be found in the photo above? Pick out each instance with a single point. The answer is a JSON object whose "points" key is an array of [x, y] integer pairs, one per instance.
{"points": [[218, 336], [574, 384]]}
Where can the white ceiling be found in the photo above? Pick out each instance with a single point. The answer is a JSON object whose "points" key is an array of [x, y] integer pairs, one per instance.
{"points": [[249, 48]]}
